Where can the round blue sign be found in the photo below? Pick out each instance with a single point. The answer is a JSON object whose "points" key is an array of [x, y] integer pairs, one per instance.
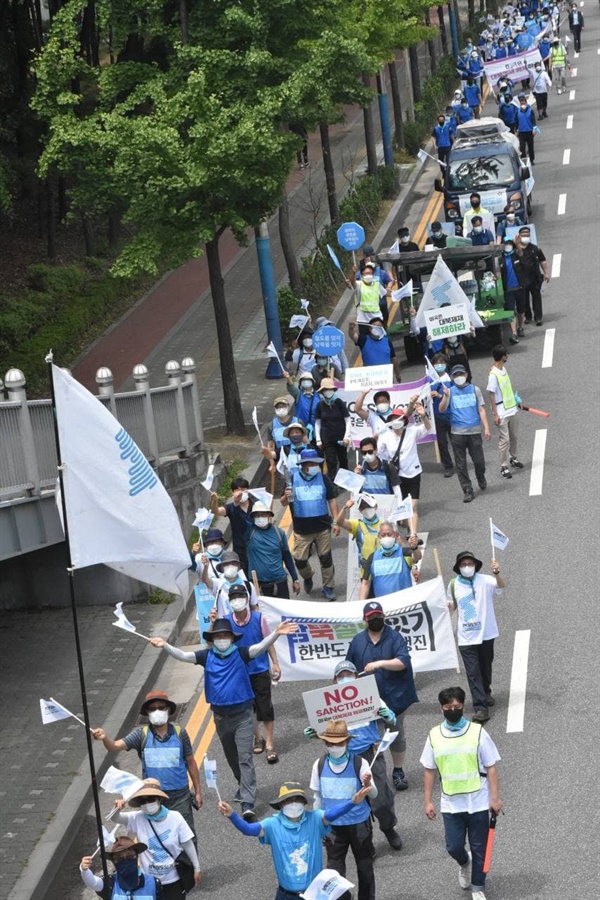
{"points": [[328, 340], [351, 236]]}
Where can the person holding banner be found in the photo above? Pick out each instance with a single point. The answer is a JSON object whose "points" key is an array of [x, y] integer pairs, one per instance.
{"points": [[128, 881], [237, 511], [381, 650], [473, 595], [464, 756], [388, 569]]}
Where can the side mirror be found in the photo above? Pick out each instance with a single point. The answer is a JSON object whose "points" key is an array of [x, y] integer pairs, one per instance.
{"points": [[437, 185], [525, 173]]}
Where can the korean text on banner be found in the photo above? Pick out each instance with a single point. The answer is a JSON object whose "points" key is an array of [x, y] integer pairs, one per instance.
{"points": [[205, 601], [419, 613], [112, 493], [443, 288], [355, 701], [400, 395], [369, 377], [517, 67], [447, 321]]}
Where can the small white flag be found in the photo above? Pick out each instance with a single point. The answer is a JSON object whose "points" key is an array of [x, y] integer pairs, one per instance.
{"points": [[327, 885], [349, 481], [304, 303], [203, 518], [210, 477], [283, 463], [53, 711], [405, 291], [395, 248], [255, 423], [499, 539], [403, 511], [118, 782], [263, 495], [210, 772], [122, 620], [271, 351], [388, 738], [298, 321], [430, 372]]}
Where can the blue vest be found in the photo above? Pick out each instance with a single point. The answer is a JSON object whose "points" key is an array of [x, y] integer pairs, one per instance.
{"points": [[252, 634], [364, 736], [226, 679], [508, 113], [376, 353], [464, 115], [335, 789], [306, 406], [464, 412], [277, 428], [310, 497], [501, 53], [389, 573], [443, 136], [511, 276], [525, 120], [376, 480], [164, 760], [472, 94], [146, 892]]}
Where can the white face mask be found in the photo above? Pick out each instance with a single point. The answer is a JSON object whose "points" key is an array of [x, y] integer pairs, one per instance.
{"points": [[281, 411], [238, 604], [337, 751], [151, 809], [460, 380], [222, 644], [159, 717], [293, 810], [398, 424], [230, 571], [382, 407], [525, 241], [368, 279], [261, 521], [467, 571], [404, 240], [214, 549], [370, 457], [306, 385], [387, 542], [369, 514], [328, 394]]}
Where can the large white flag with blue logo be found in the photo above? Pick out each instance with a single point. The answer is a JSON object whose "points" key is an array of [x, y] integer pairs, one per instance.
{"points": [[118, 511], [443, 289]]}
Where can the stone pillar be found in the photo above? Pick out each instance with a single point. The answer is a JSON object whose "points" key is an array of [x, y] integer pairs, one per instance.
{"points": [[189, 367], [141, 377], [15, 385], [173, 373]]}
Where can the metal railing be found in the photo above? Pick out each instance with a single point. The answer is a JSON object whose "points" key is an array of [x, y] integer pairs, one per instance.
{"points": [[163, 421]]}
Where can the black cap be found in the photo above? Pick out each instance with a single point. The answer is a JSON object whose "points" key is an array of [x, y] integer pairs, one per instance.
{"points": [[456, 370], [372, 608], [221, 626]]}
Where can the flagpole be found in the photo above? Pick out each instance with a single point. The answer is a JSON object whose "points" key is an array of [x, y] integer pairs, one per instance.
{"points": [[70, 573]]}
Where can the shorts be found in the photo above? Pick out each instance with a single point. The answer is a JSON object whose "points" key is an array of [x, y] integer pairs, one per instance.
{"points": [[411, 486], [398, 745], [263, 704]]}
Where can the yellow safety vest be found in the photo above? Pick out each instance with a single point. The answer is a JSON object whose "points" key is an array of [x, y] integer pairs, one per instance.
{"points": [[558, 57], [456, 759], [368, 297], [508, 397]]}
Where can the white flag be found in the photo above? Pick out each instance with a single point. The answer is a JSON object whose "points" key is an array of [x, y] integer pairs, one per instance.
{"points": [[262, 494], [443, 288], [388, 738], [422, 156], [298, 321], [395, 248], [403, 511], [255, 423], [304, 303], [118, 511], [405, 291], [210, 477], [210, 772], [122, 620], [271, 351], [499, 539], [203, 518], [53, 711], [430, 371], [327, 885], [118, 782]]}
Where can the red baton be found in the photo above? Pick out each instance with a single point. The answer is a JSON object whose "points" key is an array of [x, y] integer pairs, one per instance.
{"points": [[490, 843], [537, 412]]}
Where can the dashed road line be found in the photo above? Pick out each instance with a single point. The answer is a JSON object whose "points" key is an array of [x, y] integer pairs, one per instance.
{"points": [[556, 261], [548, 354], [562, 204], [571, 95], [518, 682], [566, 157], [537, 463], [569, 122]]}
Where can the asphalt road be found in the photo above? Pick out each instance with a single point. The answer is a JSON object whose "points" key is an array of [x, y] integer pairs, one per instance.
{"points": [[546, 842]]}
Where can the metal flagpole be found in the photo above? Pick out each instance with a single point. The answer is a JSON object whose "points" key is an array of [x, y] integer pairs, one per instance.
{"points": [[70, 573]]}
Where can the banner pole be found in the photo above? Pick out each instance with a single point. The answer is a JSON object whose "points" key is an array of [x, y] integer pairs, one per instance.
{"points": [[437, 562], [70, 574]]}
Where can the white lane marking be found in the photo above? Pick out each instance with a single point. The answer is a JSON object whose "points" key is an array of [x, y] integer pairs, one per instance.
{"points": [[562, 204], [537, 463], [569, 122], [576, 55], [548, 348], [574, 72], [518, 682], [556, 261], [566, 157], [582, 2], [571, 95]]}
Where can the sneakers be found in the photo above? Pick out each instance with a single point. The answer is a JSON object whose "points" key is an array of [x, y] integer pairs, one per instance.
{"points": [[513, 340], [399, 779], [477, 895], [521, 331], [468, 497], [308, 584], [505, 472], [393, 838], [515, 462], [329, 593], [539, 322], [490, 700], [480, 716], [482, 483], [449, 472], [528, 321], [464, 874], [248, 814]]}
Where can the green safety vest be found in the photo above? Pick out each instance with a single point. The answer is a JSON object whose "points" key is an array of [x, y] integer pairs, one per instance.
{"points": [[456, 759], [368, 297], [558, 57], [508, 397]]}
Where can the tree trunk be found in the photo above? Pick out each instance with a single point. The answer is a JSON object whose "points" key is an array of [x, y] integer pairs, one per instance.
{"points": [[285, 237], [40, 208], [63, 205], [89, 236], [414, 72], [481, 7], [114, 229], [183, 21], [396, 104], [443, 33], [471, 9], [332, 200], [234, 415], [431, 47], [459, 31], [369, 131], [50, 221]]}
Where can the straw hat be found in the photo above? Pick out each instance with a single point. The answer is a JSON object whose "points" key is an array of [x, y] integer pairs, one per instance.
{"points": [[125, 843], [152, 788], [335, 733], [286, 791]]}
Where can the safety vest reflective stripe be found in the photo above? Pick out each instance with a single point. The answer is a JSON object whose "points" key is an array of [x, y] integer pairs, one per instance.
{"points": [[369, 296], [558, 56], [457, 760], [508, 397]]}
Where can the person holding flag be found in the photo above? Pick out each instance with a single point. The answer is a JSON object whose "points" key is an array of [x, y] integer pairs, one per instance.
{"points": [[465, 757], [238, 512], [128, 880], [505, 404], [472, 595]]}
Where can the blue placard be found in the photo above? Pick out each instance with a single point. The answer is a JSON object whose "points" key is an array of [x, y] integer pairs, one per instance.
{"points": [[351, 236], [328, 340], [205, 601]]}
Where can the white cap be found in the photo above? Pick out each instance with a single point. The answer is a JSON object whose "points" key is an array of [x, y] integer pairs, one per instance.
{"points": [[367, 499]]}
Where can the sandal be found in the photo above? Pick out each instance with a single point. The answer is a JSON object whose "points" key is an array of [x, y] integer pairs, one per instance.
{"points": [[259, 745], [272, 755]]}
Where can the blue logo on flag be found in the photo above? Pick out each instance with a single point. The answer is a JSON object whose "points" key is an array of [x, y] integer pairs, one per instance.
{"points": [[141, 474], [440, 293]]}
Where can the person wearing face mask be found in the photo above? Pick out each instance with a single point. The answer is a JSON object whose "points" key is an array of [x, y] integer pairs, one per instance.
{"points": [[406, 245], [379, 416], [128, 882], [436, 238], [462, 67], [325, 367], [229, 573], [388, 568], [465, 757], [504, 403], [478, 235], [532, 271], [510, 219], [338, 774], [332, 427], [214, 544], [473, 96], [237, 511], [311, 498], [558, 62], [276, 439], [472, 595], [305, 403], [443, 137], [379, 477], [467, 414], [514, 296], [501, 51], [269, 554], [526, 122], [542, 83], [375, 346], [228, 690], [576, 26], [289, 458], [364, 531], [380, 274], [303, 357], [508, 112], [477, 210], [381, 650], [295, 835], [166, 835], [165, 751], [442, 420], [370, 295]]}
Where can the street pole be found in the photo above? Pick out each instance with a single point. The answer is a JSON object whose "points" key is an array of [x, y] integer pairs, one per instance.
{"points": [[453, 31], [269, 289], [386, 134]]}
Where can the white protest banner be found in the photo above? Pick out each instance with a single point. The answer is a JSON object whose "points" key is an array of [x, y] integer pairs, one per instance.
{"points": [[492, 201], [118, 782], [327, 885], [349, 481], [447, 321], [405, 291], [363, 378], [112, 493], [443, 288], [124, 623], [210, 477], [498, 537], [517, 67], [52, 711], [355, 701], [418, 613], [400, 395]]}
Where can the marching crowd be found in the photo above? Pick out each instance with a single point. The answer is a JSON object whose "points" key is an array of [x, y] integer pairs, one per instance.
{"points": [[309, 440]]}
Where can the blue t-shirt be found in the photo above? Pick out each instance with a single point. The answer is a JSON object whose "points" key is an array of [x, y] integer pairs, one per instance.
{"points": [[396, 689], [296, 847]]}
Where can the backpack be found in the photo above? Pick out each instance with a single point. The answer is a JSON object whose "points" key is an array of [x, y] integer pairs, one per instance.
{"points": [[146, 729], [358, 761]]}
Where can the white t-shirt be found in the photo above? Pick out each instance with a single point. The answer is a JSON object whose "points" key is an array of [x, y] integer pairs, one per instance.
{"points": [[494, 387], [315, 781], [409, 465], [476, 619], [487, 755], [173, 831]]}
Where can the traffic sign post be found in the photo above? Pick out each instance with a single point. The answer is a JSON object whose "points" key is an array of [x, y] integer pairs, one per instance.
{"points": [[351, 236]]}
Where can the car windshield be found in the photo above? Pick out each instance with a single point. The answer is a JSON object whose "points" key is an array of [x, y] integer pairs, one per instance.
{"points": [[482, 172]]}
